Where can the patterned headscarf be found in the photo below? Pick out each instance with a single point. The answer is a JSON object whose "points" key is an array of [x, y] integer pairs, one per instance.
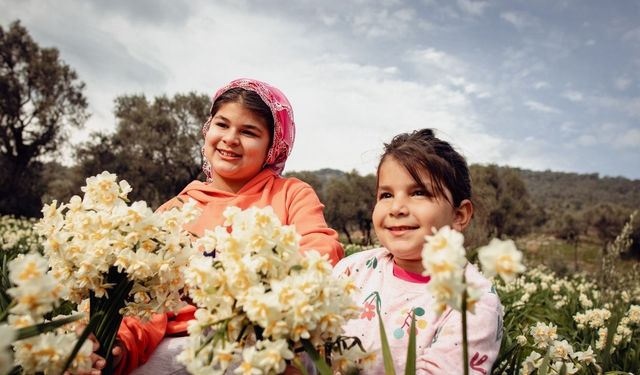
{"points": [[284, 129]]}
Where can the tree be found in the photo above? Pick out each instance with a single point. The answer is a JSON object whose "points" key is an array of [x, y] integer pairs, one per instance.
{"points": [[41, 99], [606, 220], [349, 203], [363, 190], [340, 205], [569, 229], [502, 202], [156, 146]]}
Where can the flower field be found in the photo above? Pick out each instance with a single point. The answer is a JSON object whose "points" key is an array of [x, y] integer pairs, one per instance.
{"points": [[580, 324]]}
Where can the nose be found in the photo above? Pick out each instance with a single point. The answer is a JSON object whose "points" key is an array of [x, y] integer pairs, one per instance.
{"points": [[398, 206], [230, 137]]}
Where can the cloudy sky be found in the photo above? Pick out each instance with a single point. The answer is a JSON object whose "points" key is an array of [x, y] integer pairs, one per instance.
{"points": [[550, 84]]}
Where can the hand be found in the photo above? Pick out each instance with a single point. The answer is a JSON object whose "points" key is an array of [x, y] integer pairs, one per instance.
{"points": [[97, 361], [117, 352]]}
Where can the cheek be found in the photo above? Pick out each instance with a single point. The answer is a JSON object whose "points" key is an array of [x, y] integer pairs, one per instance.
{"points": [[377, 215], [210, 136], [262, 149]]}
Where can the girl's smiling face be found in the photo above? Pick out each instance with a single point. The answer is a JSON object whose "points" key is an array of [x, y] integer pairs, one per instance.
{"points": [[236, 146], [405, 213]]}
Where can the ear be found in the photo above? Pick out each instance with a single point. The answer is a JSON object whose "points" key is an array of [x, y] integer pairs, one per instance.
{"points": [[463, 215]]}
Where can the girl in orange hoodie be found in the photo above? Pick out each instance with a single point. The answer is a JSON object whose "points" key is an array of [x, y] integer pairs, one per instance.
{"points": [[247, 139]]}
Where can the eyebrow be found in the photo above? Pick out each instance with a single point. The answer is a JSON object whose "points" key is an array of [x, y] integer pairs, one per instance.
{"points": [[250, 126], [414, 185]]}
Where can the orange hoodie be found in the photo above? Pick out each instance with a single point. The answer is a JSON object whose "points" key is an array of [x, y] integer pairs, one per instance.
{"points": [[293, 201]]}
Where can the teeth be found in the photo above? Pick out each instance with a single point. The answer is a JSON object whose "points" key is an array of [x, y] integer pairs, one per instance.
{"points": [[225, 153]]}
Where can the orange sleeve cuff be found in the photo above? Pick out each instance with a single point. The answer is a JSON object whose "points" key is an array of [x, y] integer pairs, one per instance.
{"points": [[139, 340], [179, 321]]}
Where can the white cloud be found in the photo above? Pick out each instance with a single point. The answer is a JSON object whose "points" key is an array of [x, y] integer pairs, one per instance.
{"points": [[632, 35], [357, 73], [473, 7], [541, 85], [629, 139], [468, 88], [587, 140], [612, 135], [329, 19], [569, 127], [540, 107], [382, 23], [344, 110], [435, 64], [626, 106], [574, 96], [622, 83], [532, 153], [518, 19]]}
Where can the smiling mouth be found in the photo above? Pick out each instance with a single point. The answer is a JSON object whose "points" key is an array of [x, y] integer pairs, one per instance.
{"points": [[228, 154], [401, 228]]}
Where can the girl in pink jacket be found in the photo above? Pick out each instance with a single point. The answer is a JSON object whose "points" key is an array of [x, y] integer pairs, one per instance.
{"points": [[423, 183]]}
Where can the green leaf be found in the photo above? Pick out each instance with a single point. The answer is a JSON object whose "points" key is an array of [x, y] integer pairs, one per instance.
{"points": [[386, 352], [544, 367], [563, 369], [321, 365], [37, 329], [410, 368], [300, 366]]}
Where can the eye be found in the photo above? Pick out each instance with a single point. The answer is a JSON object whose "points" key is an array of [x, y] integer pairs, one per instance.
{"points": [[419, 193], [384, 195], [250, 133], [221, 125]]}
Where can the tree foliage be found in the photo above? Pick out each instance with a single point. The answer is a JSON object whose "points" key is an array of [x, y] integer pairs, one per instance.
{"points": [[156, 145], [502, 202], [41, 98], [349, 199]]}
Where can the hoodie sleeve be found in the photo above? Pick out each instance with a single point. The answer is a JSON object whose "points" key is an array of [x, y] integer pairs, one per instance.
{"points": [[305, 212], [139, 339]]}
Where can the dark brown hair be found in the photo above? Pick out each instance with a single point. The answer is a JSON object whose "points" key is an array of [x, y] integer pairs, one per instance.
{"points": [[250, 100], [424, 155]]}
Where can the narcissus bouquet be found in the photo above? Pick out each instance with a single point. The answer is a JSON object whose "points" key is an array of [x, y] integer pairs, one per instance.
{"points": [[39, 345], [260, 301], [127, 259]]}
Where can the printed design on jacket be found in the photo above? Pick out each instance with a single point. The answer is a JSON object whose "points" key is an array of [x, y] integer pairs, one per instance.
{"points": [[476, 361], [405, 322], [372, 263], [371, 305]]}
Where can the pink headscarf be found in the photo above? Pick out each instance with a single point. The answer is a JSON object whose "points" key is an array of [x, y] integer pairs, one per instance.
{"points": [[284, 128]]}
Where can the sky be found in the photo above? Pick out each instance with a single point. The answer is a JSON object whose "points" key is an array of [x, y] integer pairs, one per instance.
{"points": [[542, 85]]}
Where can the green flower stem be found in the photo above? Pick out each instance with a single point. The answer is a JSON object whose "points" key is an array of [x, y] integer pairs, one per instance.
{"points": [[37, 329], [300, 366], [386, 351], [322, 367], [410, 368], [108, 325]]}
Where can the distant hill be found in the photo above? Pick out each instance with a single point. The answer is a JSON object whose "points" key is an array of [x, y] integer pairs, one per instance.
{"points": [[326, 174], [558, 189]]}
